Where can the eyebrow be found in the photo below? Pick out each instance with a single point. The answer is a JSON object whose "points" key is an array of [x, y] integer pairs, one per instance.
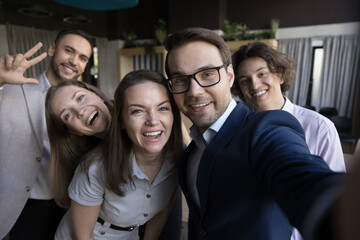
{"points": [[73, 49], [162, 103], [72, 98], [68, 46], [257, 70], [199, 69], [139, 105], [261, 68]]}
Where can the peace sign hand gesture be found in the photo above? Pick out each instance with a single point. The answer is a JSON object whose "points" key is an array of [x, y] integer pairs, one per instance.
{"points": [[12, 68]]}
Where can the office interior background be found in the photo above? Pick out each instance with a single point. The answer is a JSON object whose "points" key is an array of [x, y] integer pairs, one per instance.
{"points": [[307, 31]]}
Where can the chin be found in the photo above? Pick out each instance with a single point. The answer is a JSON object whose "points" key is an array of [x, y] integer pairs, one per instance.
{"points": [[69, 77]]}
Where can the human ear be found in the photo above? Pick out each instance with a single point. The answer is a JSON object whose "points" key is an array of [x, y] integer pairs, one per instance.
{"points": [[230, 74], [51, 49], [279, 77]]}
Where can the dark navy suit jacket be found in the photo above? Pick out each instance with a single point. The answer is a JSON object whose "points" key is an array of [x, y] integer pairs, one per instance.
{"points": [[254, 178]]}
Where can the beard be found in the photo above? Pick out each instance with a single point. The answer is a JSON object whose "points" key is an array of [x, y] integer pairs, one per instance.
{"points": [[54, 67]]}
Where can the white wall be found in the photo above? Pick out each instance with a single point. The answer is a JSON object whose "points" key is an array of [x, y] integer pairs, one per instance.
{"points": [[319, 30]]}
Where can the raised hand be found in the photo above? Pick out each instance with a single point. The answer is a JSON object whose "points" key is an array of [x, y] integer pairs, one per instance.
{"points": [[12, 68]]}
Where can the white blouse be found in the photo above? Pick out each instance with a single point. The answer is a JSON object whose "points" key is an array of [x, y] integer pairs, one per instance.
{"points": [[141, 202]]}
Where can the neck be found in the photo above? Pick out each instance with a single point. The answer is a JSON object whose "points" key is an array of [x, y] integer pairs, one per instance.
{"points": [[50, 75], [150, 164], [203, 129], [277, 105], [148, 159]]}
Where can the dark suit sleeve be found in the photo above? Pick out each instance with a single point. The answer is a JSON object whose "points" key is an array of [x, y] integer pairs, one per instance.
{"points": [[283, 166]]}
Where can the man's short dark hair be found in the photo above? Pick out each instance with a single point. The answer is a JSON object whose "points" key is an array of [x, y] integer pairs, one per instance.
{"points": [[80, 33], [194, 34]]}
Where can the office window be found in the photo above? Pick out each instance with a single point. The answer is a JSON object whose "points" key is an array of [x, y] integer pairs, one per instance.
{"points": [[317, 62]]}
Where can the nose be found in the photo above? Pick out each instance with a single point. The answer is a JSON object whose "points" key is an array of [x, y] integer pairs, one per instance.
{"points": [[74, 60], [255, 83], [152, 118], [194, 88], [79, 111]]}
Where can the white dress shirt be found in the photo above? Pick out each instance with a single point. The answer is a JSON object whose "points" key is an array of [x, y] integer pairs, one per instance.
{"points": [[322, 139]]}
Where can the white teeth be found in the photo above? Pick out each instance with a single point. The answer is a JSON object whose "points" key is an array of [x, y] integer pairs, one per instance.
{"points": [[68, 69], [91, 117], [259, 93], [200, 105], [152, 133]]}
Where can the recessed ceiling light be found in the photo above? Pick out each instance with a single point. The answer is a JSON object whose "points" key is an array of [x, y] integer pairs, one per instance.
{"points": [[78, 19], [34, 11], [103, 5]]}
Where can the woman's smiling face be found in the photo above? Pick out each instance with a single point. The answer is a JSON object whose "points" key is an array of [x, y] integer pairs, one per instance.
{"points": [[147, 117], [82, 111]]}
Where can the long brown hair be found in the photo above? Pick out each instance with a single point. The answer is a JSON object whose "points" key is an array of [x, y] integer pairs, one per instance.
{"points": [[67, 149], [117, 146]]}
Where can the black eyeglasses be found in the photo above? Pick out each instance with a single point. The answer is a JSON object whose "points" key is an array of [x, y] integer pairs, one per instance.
{"points": [[205, 78]]}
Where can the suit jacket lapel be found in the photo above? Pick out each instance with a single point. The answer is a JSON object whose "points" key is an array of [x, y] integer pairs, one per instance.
{"points": [[35, 106], [182, 181], [230, 128]]}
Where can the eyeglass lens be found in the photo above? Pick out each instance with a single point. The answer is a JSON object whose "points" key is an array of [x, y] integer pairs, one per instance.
{"points": [[204, 78]]}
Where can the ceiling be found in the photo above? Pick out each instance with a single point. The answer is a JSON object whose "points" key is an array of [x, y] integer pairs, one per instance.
{"points": [[48, 14], [143, 18]]}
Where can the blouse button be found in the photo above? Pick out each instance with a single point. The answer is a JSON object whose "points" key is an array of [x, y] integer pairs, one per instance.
{"points": [[38, 159], [27, 188], [148, 195], [145, 214], [102, 232]]}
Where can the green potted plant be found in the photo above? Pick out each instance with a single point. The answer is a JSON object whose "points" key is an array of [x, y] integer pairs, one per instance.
{"points": [[161, 32], [233, 31], [129, 39]]}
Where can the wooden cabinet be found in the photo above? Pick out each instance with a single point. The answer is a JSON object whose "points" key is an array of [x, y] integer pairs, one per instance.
{"points": [[136, 58]]}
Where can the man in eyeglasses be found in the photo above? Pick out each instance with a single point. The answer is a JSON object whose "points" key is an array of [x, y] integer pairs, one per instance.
{"points": [[245, 175]]}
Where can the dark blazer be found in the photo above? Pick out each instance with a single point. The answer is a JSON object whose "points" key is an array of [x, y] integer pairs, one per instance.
{"points": [[256, 163]]}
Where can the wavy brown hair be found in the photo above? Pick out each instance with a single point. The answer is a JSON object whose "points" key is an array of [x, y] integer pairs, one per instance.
{"points": [[277, 62], [67, 149]]}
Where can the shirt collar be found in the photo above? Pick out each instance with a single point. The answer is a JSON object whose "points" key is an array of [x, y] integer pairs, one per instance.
{"points": [[137, 172], [288, 106], [45, 82], [210, 133]]}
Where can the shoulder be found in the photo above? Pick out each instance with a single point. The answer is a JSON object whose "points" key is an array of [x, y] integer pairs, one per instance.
{"points": [[91, 162], [274, 125], [243, 119], [41, 77], [275, 118], [309, 117]]}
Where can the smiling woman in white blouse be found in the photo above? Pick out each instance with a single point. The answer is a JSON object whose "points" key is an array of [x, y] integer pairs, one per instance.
{"points": [[130, 178]]}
